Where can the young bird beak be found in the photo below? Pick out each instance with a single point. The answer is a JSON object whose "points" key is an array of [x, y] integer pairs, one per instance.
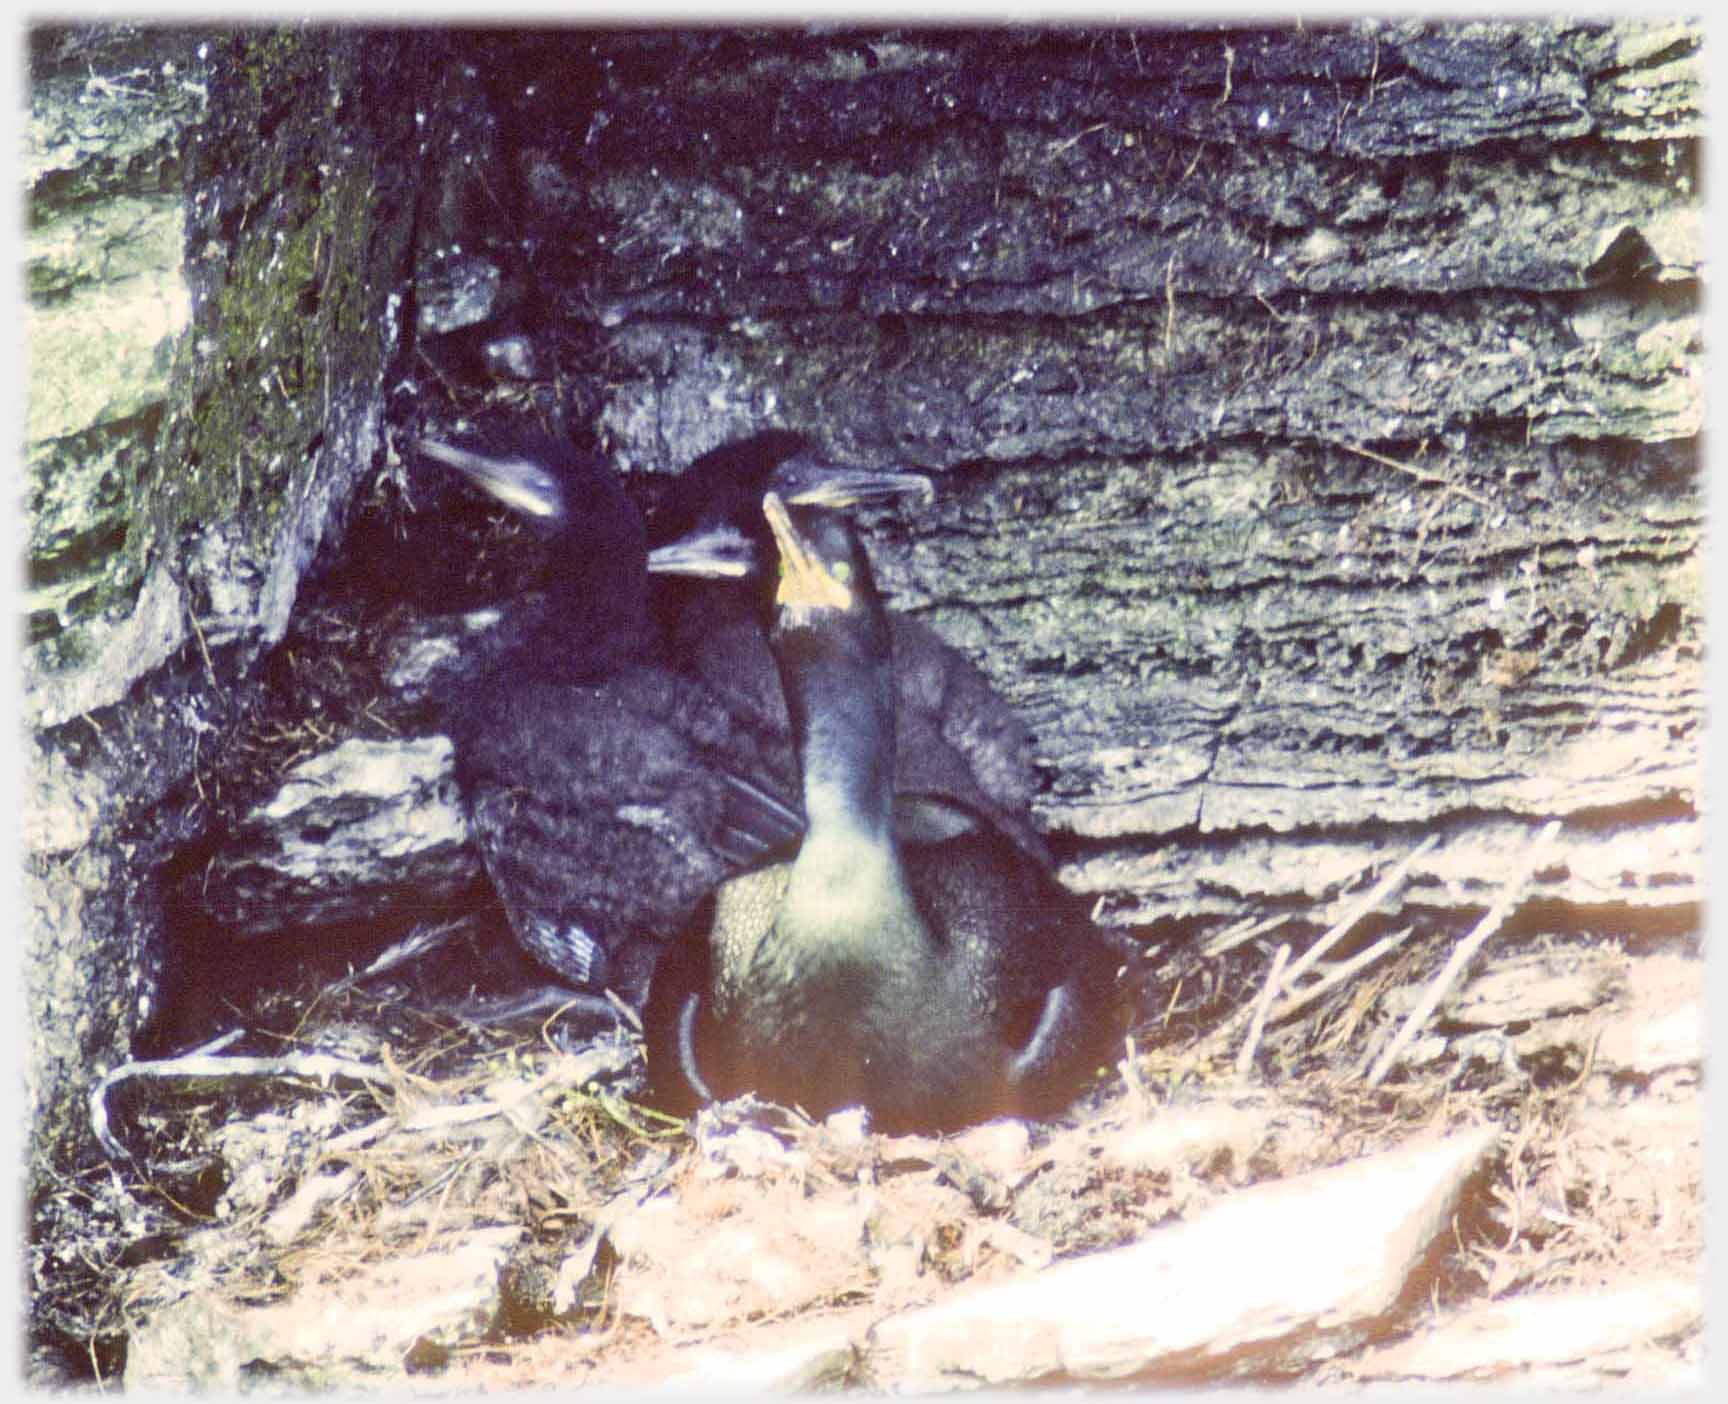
{"points": [[804, 481], [720, 553], [519, 483]]}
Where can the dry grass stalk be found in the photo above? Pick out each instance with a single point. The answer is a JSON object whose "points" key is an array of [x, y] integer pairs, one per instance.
{"points": [[1342, 927], [1257, 1026], [1464, 952], [1299, 1000], [1426, 475]]}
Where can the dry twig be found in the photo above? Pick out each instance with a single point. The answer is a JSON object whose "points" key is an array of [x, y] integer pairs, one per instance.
{"points": [[1342, 926], [1240, 934], [1299, 1000], [321, 1067]]}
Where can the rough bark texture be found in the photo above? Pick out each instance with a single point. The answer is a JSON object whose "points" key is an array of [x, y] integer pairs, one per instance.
{"points": [[1315, 416]]}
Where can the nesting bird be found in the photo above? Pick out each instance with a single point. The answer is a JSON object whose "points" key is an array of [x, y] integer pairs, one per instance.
{"points": [[719, 730], [607, 789], [937, 977], [959, 745]]}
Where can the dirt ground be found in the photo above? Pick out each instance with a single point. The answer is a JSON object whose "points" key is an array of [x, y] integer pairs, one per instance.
{"points": [[617, 1247]]}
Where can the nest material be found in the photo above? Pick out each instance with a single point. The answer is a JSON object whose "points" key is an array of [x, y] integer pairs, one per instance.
{"points": [[350, 1149]]}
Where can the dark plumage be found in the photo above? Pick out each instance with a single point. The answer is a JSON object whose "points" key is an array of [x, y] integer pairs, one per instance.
{"points": [[593, 779], [609, 790], [962, 752], [937, 982]]}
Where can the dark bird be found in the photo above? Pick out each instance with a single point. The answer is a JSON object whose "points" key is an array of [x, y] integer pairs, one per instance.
{"points": [[607, 791], [936, 982], [961, 751]]}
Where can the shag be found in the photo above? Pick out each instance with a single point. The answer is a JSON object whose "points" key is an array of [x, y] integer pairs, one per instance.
{"points": [[608, 792], [937, 982], [962, 752]]}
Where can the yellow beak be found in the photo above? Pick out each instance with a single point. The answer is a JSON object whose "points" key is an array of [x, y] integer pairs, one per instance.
{"points": [[805, 582]]}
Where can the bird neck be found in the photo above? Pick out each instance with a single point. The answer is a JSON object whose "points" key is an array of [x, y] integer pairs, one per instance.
{"points": [[593, 612], [841, 700], [848, 899]]}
